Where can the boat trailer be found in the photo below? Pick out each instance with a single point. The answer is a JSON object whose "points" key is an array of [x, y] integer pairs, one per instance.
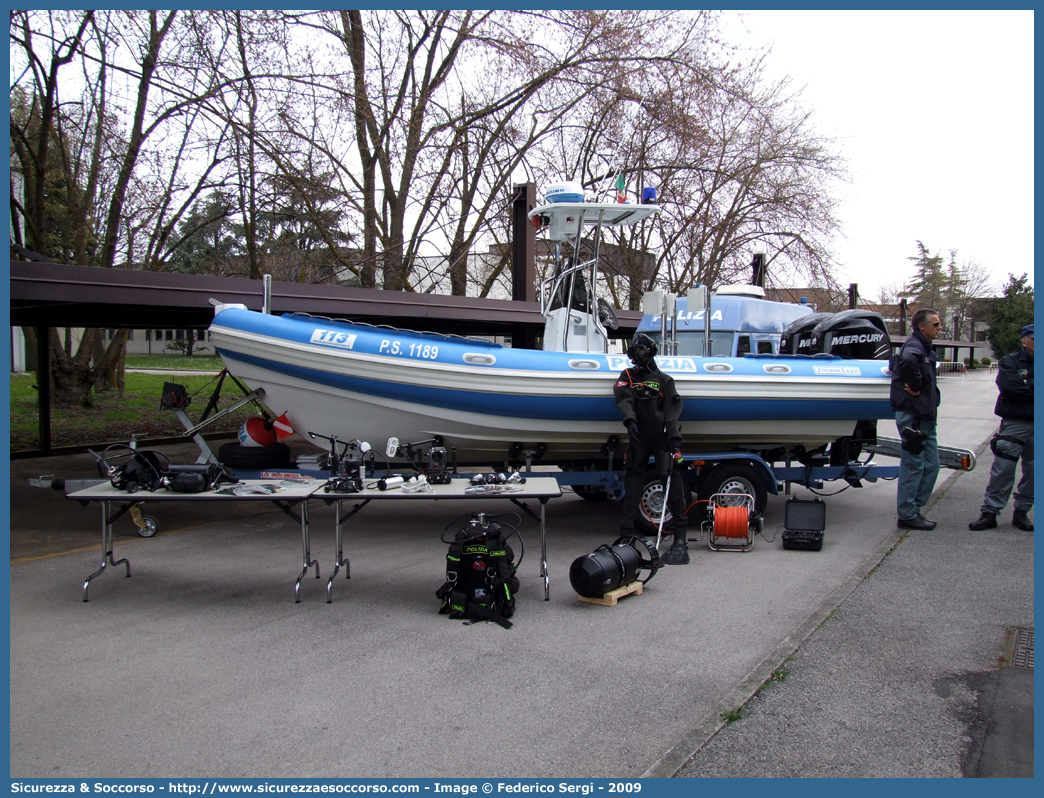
{"points": [[729, 478]]}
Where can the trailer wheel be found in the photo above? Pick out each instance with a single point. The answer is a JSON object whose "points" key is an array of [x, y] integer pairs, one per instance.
{"points": [[593, 493], [651, 504], [735, 477], [235, 455], [150, 528]]}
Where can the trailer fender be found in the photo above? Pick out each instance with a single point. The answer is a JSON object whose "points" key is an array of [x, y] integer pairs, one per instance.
{"points": [[736, 476], [763, 470]]}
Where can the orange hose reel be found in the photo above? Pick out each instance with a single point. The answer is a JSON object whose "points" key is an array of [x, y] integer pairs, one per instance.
{"points": [[732, 528], [731, 522]]}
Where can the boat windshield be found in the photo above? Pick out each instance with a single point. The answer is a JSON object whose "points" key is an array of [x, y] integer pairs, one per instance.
{"points": [[581, 295], [691, 343]]}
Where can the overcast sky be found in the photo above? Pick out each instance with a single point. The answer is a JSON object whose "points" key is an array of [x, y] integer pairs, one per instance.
{"points": [[934, 112]]}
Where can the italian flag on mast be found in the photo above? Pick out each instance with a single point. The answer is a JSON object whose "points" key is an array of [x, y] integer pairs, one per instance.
{"points": [[621, 189]]}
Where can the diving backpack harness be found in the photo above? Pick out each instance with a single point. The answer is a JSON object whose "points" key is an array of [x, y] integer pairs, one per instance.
{"points": [[480, 573]]}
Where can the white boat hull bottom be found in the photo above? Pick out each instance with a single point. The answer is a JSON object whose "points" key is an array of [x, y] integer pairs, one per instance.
{"points": [[347, 415]]}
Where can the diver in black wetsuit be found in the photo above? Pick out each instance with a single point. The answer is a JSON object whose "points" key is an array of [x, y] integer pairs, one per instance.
{"points": [[651, 407]]}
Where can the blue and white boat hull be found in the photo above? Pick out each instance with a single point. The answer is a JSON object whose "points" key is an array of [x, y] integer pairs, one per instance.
{"points": [[354, 380]]}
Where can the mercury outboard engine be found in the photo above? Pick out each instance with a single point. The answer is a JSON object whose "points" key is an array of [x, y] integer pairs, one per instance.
{"points": [[853, 335], [797, 337]]}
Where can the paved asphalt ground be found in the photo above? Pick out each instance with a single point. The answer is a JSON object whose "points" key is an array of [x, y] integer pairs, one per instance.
{"points": [[902, 679], [202, 665]]}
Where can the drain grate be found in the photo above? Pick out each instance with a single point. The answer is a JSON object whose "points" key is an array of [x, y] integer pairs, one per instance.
{"points": [[1022, 656], [1018, 651]]}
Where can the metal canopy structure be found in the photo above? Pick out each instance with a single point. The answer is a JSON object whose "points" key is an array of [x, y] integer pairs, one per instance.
{"points": [[47, 295], [57, 295]]}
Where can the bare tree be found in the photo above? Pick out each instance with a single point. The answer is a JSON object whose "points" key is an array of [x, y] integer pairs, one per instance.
{"points": [[760, 181], [445, 106], [887, 294], [47, 42], [362, 141], [121, 59], [966, 283], [396, 105], [737, 163], [36, 108]]}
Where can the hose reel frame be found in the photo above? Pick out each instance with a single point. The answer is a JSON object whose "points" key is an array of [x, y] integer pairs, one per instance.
{"points": [[732, 522]]}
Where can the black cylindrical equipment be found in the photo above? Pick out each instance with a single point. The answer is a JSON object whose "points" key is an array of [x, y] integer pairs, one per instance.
{"points": [[187, 482], [604, 569], [610, 567]]}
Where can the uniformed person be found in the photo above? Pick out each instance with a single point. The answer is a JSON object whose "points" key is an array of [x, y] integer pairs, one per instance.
{"points": [[1013, 442], [915, 400]]}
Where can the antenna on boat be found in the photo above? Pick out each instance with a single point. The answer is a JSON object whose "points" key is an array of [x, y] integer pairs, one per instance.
{"points": [[698, 298], [266, 301], [616, 169], [613, 172]]}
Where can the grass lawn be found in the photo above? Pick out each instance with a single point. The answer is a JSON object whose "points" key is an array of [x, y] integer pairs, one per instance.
{"points": [[112, 418], [176, 362]]}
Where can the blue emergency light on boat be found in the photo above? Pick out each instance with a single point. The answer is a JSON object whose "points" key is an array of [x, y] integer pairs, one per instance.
{"points": [[649, 195]]}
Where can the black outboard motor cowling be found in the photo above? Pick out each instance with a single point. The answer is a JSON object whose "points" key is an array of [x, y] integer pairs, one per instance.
{"points": [[853, 335], [797, 337]]}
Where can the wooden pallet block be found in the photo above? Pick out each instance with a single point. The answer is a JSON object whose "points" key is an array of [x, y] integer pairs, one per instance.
{"points": [[610, 598]]}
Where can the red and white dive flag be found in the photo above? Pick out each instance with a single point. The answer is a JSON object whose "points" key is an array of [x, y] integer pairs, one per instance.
{"points": [[282, 427]]}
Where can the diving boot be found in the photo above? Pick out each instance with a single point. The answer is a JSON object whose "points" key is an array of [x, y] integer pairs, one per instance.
{"points": [[678, 553], [1021, 520]]}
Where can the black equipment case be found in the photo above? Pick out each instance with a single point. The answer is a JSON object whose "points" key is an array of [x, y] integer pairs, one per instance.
{"points": [[804, 522]]}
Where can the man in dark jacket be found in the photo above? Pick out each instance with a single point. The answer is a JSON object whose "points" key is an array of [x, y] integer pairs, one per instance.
{"points": [[651, 407], [1013, 440], [915, 400]]}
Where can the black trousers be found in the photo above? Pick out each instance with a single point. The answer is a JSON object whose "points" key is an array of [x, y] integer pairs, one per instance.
{"points": [[638, 454]]}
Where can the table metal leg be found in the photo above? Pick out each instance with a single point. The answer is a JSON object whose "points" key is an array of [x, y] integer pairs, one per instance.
{"points": [[338, 542], [306, 547], [107, 559], [543, 552], [543, 540], [339, 554]]}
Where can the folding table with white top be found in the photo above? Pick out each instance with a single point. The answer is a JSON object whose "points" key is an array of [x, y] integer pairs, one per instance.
{"points": [[543, 489], [284, 494]]}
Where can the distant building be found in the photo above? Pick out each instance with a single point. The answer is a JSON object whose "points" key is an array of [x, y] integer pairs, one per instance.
{"points": [[821, 300]]}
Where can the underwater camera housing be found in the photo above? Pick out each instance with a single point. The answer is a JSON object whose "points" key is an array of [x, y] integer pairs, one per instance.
{"points": [[433, 463], [439, 472], [610, 567]]}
